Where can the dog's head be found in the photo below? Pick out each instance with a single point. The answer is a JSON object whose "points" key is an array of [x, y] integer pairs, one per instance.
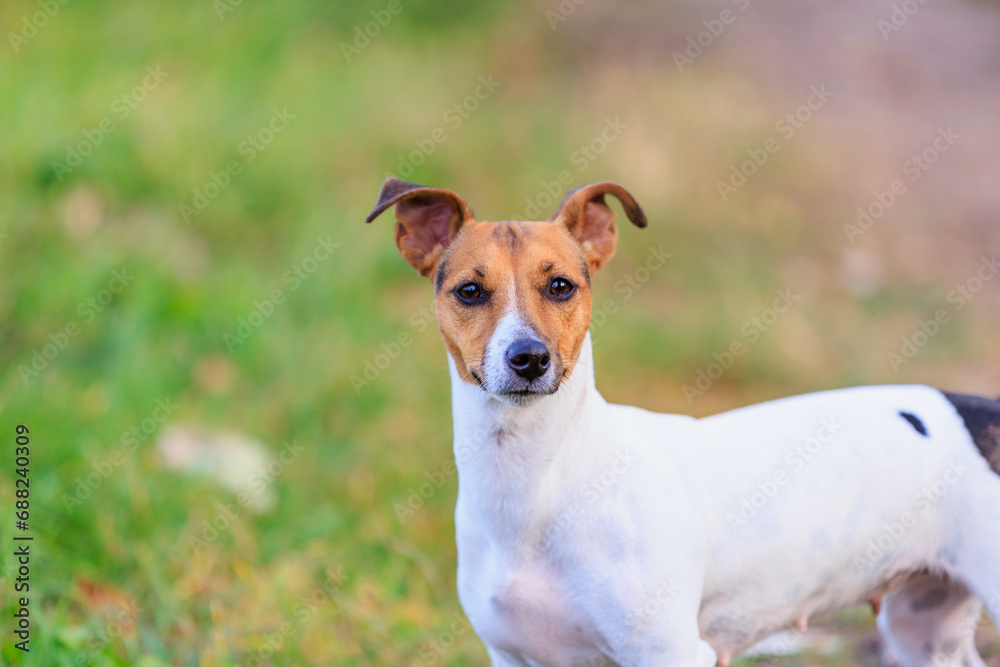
{"points": [[513, 298]]}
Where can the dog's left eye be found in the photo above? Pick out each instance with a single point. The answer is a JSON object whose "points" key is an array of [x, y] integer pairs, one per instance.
{"points": [[470, 292], [560, 287]]}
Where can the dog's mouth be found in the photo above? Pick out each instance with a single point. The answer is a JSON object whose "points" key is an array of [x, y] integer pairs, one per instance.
{"points": [[519, 395], [516, 395], [522, 397]]}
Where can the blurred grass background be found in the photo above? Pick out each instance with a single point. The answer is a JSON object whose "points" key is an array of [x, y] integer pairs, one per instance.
{"points": [[329, 573]]}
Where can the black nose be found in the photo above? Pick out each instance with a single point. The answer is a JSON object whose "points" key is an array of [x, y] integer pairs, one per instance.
{"points": [[528, 358]]}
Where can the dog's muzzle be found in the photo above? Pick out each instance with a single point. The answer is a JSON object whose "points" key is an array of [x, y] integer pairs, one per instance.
{"points": [[528, 371]]}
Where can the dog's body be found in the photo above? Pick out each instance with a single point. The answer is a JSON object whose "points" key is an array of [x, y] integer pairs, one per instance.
{"points": [[578, 538], [597, 534]]}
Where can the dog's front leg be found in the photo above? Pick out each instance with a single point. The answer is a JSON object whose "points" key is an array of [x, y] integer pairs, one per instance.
{"points": [[654, 625], [666, 649]]}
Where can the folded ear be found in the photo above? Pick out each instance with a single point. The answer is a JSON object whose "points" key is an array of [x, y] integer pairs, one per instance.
{"points": [[427, 219], [592, 223]]}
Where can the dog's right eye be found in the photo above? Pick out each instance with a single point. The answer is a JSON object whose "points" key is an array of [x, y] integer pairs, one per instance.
{"points": [[469, 293]]}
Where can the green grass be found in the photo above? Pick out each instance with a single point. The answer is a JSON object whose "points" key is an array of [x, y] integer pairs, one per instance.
{"points": [[330, 569]]}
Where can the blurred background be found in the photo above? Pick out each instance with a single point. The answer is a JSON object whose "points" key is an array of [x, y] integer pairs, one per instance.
{"points": [[238, 402]]}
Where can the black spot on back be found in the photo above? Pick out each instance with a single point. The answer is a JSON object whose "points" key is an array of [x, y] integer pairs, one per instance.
{"points": [[982, 421], [915, 422]]}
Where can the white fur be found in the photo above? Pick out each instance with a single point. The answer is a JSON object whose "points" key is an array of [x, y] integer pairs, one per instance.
{"points": [[497, 378], [509, 329], [598, 534]]}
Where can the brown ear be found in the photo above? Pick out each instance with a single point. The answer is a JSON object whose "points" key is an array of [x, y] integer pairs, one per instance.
{"points": [[427, 219], [592, 223]]}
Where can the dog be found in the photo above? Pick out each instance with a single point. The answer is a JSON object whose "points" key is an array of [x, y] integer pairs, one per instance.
{"points": [[598, 534]]}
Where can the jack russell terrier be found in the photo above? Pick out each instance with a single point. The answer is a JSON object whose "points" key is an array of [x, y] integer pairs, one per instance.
{"points": [[596, 534]]}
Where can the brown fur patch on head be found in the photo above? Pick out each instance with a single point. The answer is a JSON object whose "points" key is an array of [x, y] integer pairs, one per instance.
{"points": [[513, 263], [510, 266]]}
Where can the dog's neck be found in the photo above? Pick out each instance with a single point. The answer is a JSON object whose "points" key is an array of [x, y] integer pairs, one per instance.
{"points": [[509, 457]]}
